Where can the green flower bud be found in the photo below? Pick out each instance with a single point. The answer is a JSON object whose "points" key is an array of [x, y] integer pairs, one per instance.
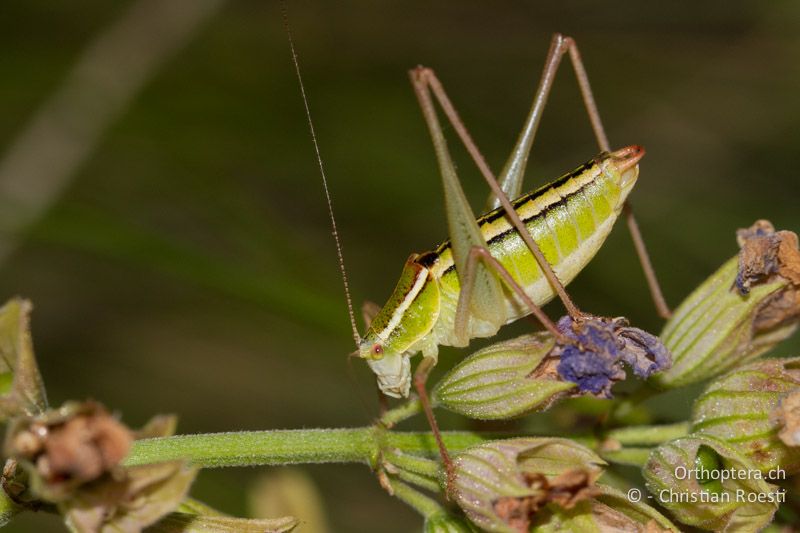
{"points": [[744, 309], [704, 482], [504, 380], [740, 407], [502, 485]]}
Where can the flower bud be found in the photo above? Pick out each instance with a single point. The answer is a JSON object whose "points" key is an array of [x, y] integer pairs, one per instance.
{"points": [[706, 483], [503, 485], [740, 409], [744, 309], [504, 380]]}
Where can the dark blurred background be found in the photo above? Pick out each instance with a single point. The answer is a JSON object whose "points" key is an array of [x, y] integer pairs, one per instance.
{"points": [[179, 256]]}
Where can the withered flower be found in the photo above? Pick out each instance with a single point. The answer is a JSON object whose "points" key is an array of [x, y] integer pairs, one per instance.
{"points": [[68, 447], [73, 456], [766, 254], [502, 485], [137, 499], [593, 359], [545, 484], [741, 311]]}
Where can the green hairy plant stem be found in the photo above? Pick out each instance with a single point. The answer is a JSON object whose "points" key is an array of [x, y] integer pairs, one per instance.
{"points": [[359, 445], [282, 447]]}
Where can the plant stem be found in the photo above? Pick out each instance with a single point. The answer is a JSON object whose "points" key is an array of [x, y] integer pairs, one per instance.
{"points": [[401, 412], [422, 504], [628, 456], [413, 463], [418, 480], [250, 448], [423, 443], [648, 435], [624, 407], [281, 447]]}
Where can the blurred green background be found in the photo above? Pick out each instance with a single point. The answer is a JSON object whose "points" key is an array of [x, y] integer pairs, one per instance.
{"points": [[187, 265]]}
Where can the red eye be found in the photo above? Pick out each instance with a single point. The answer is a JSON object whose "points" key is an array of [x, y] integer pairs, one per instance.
{"points": [[377, 349]]}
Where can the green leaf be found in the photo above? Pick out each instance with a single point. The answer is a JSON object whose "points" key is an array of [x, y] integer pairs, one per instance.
{"points": [[8, 508], [21, 388], [191, 523], [447, 523], [288, 492]]}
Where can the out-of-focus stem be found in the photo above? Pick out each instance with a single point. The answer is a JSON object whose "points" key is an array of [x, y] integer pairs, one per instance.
{"points": [[648, 435], [104, 81], [424, 505]]}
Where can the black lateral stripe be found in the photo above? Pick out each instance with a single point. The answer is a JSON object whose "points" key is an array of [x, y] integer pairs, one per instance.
{"points": [[513, 230], [499, 212], [500, 236], [430, 258]]}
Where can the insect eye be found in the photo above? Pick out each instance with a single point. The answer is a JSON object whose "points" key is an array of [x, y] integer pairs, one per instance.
{"points": [[377, 351]]}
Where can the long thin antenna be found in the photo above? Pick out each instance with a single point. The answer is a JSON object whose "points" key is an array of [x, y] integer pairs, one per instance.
{"points": [[335, 231]]}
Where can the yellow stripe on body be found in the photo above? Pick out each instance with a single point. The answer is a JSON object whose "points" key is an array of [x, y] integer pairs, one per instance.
{"points": [[527, 207]]}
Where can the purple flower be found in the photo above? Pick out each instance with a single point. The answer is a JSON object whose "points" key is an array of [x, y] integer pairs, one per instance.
{"points": [[597, 348]]}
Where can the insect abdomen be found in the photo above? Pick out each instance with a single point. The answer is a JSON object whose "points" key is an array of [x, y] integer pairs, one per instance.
{"points": [[569, 220], [569, 232]]}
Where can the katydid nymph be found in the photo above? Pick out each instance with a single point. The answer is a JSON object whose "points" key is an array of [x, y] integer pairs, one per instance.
{"points": [[458, 292], [507, 263], [569, 219]]}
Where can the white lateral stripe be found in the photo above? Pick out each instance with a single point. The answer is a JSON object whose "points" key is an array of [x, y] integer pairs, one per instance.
{"points": [[397, 316]]}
